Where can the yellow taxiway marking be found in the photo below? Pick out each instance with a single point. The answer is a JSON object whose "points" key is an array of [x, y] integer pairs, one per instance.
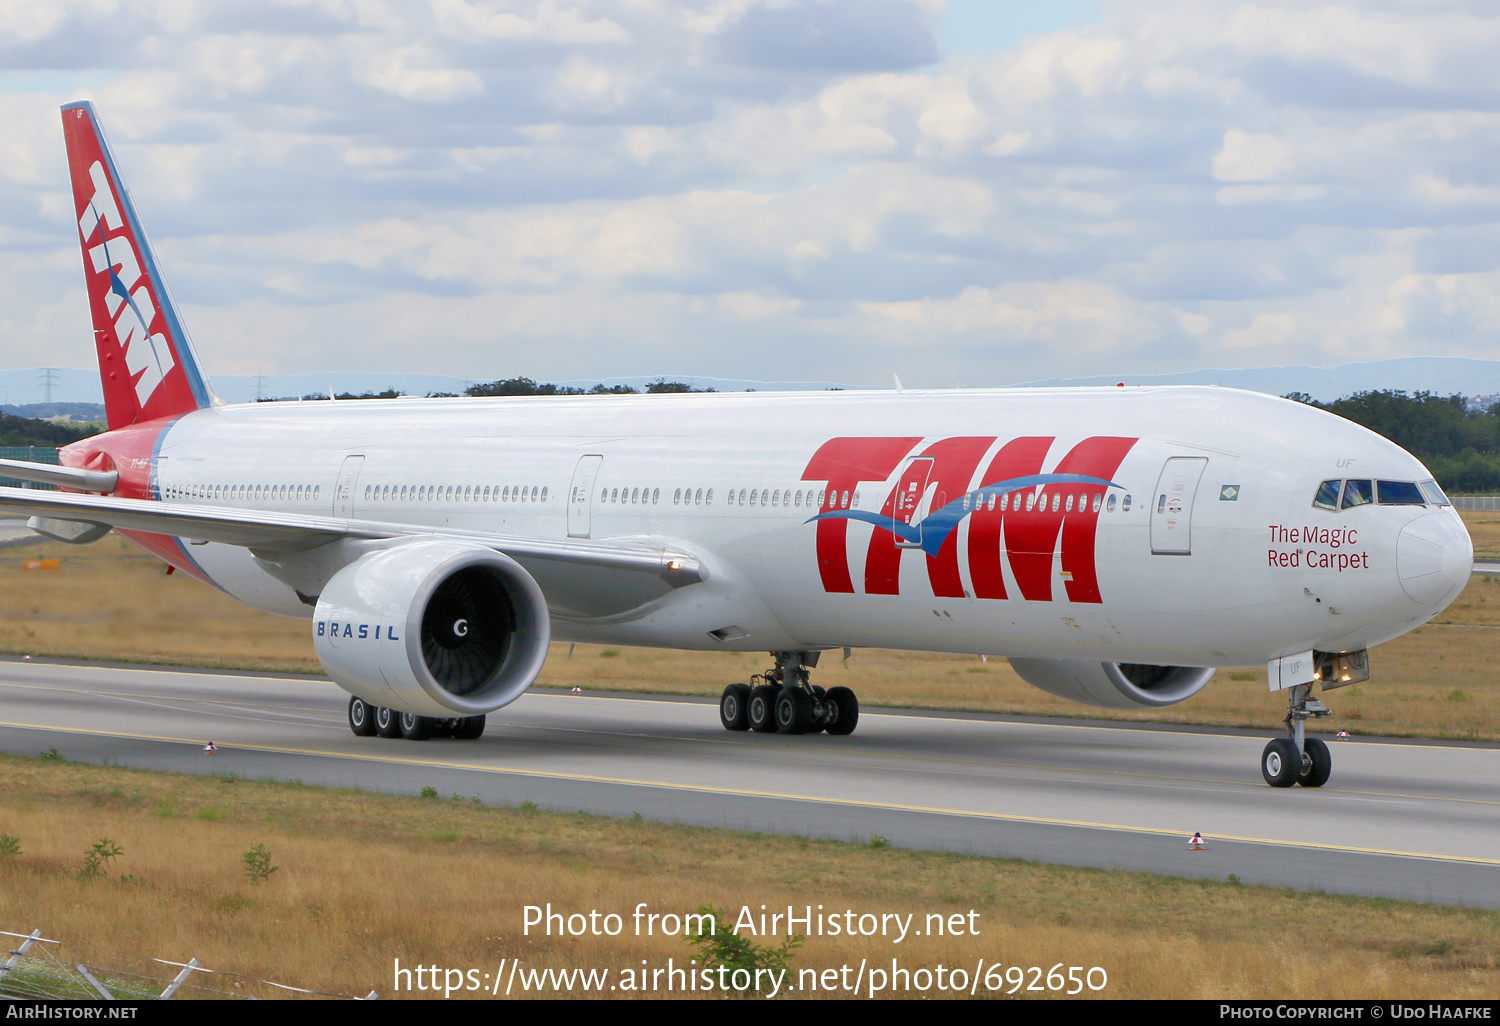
{"points": [[705, 789], [1004, 765]]}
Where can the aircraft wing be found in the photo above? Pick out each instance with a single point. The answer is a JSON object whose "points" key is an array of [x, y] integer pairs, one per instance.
{"points": [[270, 533]]}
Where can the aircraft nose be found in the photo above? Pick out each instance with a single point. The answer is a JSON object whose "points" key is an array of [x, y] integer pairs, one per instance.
{"points": [[1434, 558]]}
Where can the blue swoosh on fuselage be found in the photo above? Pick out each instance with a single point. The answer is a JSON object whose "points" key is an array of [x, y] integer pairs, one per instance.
{"points": [[935, 528]]}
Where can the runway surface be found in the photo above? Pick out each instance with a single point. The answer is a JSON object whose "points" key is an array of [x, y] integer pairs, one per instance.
{"points": [[1400, 819]]}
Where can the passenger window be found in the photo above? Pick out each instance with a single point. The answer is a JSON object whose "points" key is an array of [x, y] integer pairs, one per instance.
{"points": [[1328, 495], [1358, 493], [1398, 493], [1125, 504], [1434, 493]]}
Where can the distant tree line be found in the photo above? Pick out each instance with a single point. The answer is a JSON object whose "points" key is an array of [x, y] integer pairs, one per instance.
{"points": [[1461, 447], [525, 386], [513, 386]]}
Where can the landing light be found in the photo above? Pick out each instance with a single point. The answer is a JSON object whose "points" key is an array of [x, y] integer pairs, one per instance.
{"points": [[1335, 669]]}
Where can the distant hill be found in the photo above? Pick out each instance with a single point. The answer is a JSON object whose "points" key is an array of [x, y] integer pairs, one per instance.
{"points": [[25, 388], [82, 412], [1443, 375]]}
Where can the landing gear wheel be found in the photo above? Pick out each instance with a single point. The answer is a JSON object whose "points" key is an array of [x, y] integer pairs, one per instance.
{"points": [[734, 707], [794, 711], [820, 716], [417, 728], [846, 715], [361, 717], [1322, 763], [1281, 763], [470, 728], [387, 722], [762, 709]]}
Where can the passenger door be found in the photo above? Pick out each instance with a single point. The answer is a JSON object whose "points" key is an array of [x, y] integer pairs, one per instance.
{"points": [[1172, 505], [581, 496], [343, 489]]}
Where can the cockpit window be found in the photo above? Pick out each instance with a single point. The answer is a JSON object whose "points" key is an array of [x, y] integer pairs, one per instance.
{"points": [[1358, 493], [1328, 495], [1434, 493], [1399, 493]]}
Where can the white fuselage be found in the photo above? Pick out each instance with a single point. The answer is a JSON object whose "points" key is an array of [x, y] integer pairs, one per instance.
{"points": [[1251, 569]]}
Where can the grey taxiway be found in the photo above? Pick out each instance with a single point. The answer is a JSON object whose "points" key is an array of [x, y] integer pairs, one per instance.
{"points": [[1401, 819]]}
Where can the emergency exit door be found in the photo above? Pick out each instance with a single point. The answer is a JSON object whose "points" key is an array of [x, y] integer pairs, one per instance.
{"points": [[581, 496], [343, 488], [906, 509], [1172, 506]]}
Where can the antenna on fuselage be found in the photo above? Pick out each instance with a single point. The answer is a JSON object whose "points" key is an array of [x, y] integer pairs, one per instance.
{"points": [[897, 379]]}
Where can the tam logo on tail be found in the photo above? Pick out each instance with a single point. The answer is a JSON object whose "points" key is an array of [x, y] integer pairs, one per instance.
{"points": [[146, 365]]}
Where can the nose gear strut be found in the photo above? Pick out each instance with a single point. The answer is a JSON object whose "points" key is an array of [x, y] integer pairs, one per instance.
{"points": [[1297, 758]]}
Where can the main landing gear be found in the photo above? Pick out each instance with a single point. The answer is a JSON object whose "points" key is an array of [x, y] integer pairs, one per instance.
{"points": [[782, 700], [1297, 758], [367, 720]]}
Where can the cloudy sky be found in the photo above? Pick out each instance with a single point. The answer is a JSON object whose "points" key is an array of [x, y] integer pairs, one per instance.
{"points": [[977, 192]]}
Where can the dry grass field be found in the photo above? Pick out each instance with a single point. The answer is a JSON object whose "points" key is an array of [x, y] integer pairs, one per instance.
{"points": [[111, 601], [364, 879]]}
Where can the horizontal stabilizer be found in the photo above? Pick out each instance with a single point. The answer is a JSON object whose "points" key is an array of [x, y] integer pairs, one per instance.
{"points": [[62, 477]]}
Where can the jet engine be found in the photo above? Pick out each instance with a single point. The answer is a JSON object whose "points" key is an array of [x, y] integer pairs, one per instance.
{"points": [[1114, 685], [434, 627]]}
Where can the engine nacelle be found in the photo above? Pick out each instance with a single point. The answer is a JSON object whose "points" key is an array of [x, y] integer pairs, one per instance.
{"points": [[1114, 685], [433, 627]]}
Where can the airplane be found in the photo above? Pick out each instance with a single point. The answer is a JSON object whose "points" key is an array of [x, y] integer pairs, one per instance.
{"points": [[1116, 544]]}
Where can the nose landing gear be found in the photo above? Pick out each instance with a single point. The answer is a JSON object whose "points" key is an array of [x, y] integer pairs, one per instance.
{"points": [[783, 700], [1297, 758]]}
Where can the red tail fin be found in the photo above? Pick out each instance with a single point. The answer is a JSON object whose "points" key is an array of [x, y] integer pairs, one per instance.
{"points": [[146, 362]]}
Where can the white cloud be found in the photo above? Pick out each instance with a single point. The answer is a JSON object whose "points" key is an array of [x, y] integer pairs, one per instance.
{"points": [[399, 71], [583, 187], [545, 22]]}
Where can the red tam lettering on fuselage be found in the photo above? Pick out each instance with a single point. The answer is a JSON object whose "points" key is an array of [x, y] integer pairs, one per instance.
{"points": [[1093, 457], [844, 463], [1032, 520], [953, 463], [1020, 457]]}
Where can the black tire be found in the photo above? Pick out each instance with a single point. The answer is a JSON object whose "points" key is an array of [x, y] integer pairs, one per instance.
{"points": [[847, 716], [1281, 763], [1322, 763], [817, 723], [470, 728], [794, 711], [387, 722], [761, 711], [734, 707], [417, 728], [361, 717]]}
